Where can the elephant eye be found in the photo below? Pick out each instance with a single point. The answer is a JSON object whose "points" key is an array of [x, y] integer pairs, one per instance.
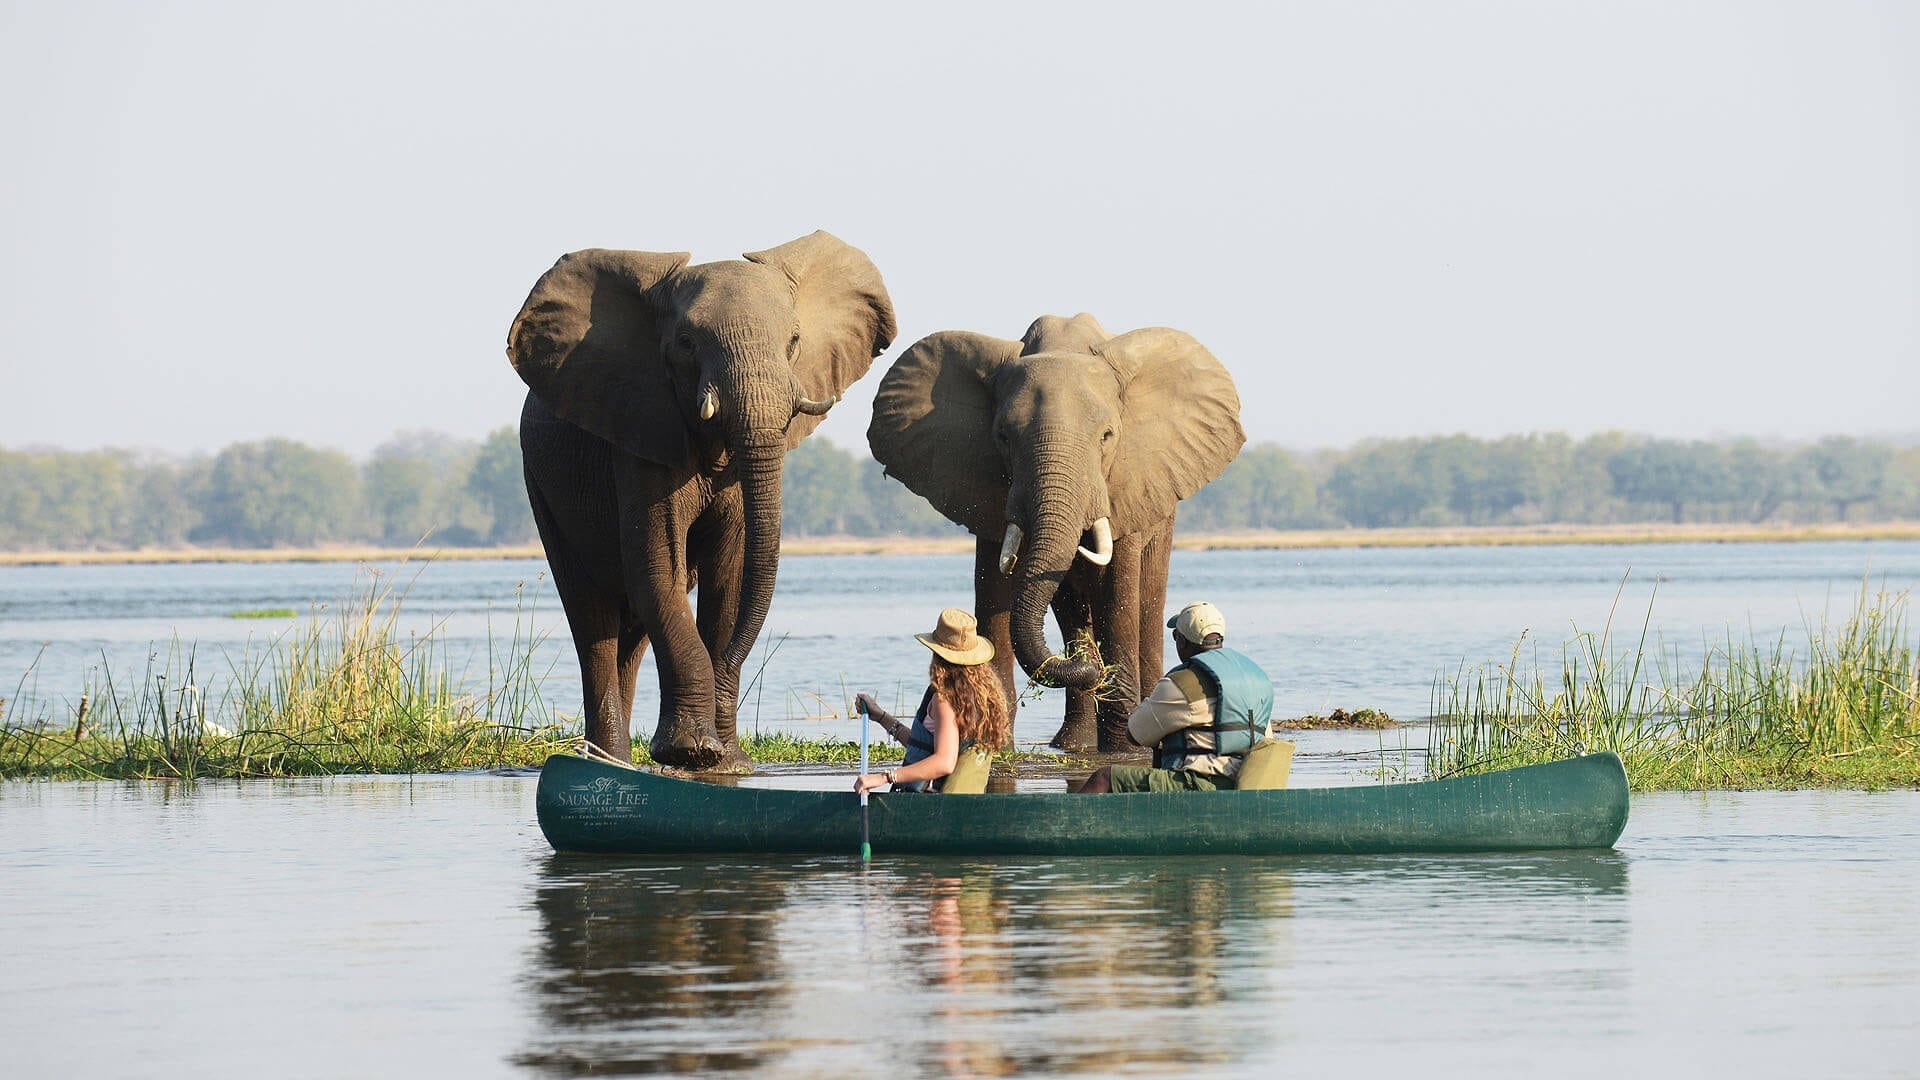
{"points": [[684, 342], [793, 346], [1107, 435]]}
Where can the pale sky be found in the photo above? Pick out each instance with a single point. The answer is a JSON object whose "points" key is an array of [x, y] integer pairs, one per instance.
{"points": [[222, 222]]}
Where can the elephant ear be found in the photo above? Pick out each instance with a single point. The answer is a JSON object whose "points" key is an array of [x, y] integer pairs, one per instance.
{"points": [[1180, 423], [587, 342], [845, 316], [933, 426]]}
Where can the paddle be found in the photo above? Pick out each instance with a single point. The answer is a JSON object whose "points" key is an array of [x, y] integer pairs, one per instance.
{"points": [[866, 848]]}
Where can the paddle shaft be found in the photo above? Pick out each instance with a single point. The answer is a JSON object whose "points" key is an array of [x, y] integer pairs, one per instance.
{"points": [[866, 848]]}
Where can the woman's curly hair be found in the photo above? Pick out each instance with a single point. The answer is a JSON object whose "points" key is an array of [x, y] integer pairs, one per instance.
{"points": [[973, 692]]}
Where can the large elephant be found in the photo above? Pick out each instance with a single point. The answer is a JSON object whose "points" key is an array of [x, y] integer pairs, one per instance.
{"points": [[664, 398], [1065, 454]]}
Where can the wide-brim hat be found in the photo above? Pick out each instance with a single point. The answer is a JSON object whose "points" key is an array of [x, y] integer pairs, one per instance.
{"points": [[955, 638]]}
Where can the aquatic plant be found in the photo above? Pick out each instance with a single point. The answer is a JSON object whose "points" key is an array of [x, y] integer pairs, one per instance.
{"points": [[1842, 711], [339, 692]]}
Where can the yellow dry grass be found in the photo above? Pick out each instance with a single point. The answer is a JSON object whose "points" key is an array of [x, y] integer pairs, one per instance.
{"points": [[1464, 536]]}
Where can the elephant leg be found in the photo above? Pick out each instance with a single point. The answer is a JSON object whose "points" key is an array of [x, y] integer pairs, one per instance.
{"points": [[1155, 562], [1072, 609], [992, 609], [571, 490], [717, 545], [633, 649], [594, 616], [1116, 621], [660, 577], [606, 713]]}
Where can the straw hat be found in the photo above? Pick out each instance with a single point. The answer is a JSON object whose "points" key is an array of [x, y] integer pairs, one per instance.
{"points": [[953, 639]]}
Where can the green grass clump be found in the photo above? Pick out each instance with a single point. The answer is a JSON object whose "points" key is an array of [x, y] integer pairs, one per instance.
{"points": [[1843, 712], [264, 613], [780, 748], [341, 692]]}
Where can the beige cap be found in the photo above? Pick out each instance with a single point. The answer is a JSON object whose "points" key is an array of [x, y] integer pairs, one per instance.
{"points": [[954, 639], [1196, 621]]}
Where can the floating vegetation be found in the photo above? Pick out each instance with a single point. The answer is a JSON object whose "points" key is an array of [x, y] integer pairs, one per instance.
{"points": [[1340, 719], [1842, 711], [265, 613]]}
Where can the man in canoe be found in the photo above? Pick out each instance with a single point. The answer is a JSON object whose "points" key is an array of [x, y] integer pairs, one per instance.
{"points": [[1201, 719], [963, 706]]}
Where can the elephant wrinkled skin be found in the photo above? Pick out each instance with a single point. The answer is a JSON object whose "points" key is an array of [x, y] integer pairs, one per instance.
{"points": [[662, 401], [1065, 454]]}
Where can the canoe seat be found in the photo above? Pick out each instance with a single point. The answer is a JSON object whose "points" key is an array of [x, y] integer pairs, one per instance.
{"points": [[1267, 765], [969, 775]]}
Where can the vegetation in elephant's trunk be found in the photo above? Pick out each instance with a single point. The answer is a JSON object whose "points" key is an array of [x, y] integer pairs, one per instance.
{"points": [[1043, 565]]}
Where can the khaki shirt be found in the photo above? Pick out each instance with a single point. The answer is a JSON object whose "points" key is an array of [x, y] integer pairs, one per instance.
{"points": [[1177, 702]]}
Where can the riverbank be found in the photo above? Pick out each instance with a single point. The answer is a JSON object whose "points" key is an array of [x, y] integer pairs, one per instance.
{"points": [[1253, 540]]}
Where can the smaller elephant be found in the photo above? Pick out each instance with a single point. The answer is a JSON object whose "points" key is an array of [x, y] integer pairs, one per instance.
{"points": [[1065, 454], [663, 399]]}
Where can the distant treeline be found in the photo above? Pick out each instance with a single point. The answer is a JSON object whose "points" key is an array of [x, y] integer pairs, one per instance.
{"points": [[281, 493]]}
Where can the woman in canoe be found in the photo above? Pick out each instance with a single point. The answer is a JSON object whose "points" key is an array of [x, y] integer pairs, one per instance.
{"points": [[963, 706]]}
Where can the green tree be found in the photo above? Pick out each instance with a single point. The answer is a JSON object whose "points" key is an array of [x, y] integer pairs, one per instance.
{"points": [[415, 487], [820, 492], [1670, 473], [1901, 499], [1515, 477], [1264, 488], [1396, 482], [499, 484], [1759, 480], [1847, 471], [279, 492], [1584, 491]]}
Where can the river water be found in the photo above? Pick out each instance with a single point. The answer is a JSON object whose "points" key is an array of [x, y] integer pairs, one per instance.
{"points": [[386, 926], [1336, 629], [389, 925]]}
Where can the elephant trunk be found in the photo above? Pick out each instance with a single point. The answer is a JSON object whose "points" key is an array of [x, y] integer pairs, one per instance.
{"points": [[1053, 541], [761, 457]]}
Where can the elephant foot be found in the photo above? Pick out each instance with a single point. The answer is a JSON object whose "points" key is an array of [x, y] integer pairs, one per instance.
{"points": [[733, 762], [695, 753], [1075, 735]]}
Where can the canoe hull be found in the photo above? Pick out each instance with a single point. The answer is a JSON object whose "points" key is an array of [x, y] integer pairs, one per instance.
{"points": [[589, 806]]}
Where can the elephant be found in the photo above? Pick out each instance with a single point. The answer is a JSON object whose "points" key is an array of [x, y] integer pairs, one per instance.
{"points": [[662, 400], [1065, 454]]}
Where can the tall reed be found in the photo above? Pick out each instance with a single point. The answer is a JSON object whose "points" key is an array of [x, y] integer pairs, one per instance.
{"points": [[1842, 710], [341, 691]]}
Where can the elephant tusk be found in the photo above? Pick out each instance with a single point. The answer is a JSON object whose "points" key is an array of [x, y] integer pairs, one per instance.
{"points": [[1010, 548], [1102, 552], [814, 408], [709, 403]]}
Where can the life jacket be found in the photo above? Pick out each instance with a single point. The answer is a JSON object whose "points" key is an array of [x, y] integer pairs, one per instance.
{"points": [[1242, 705], [920, 746]]}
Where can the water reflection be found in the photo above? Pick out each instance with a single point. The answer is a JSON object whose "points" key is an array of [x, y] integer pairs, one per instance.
{"points": [[967, 968], [654, 968]]}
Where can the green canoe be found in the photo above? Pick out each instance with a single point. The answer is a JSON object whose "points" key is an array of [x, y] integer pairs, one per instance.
{"points": [[590, 806]]}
